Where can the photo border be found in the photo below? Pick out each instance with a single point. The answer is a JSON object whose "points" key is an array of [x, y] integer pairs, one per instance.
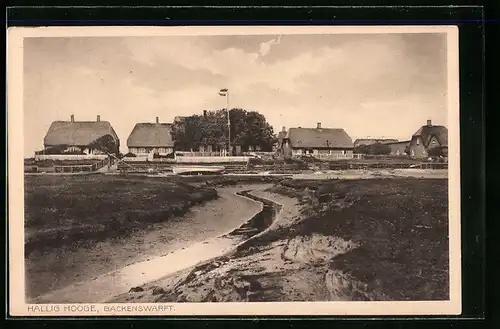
{"points": [[473, 133]]}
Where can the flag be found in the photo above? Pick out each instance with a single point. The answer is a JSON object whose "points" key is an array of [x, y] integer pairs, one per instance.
{"points": [[223, 92]]}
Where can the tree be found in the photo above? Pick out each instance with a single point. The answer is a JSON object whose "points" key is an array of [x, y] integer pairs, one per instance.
{"points": [[248, 128], [362, 149], [106, 144], [187, 134], [379, 149]]}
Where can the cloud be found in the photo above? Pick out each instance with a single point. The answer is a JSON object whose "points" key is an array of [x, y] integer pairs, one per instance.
{"points": [[340, 80], [265, 47]]}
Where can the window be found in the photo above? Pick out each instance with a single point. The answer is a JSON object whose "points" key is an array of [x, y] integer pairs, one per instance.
{"points": [[142, 150], [418, 141]]}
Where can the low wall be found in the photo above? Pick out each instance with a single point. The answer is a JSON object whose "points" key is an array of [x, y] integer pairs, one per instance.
{"points": [[211, 159], [39, 157], [136, 159], [333, 156]]}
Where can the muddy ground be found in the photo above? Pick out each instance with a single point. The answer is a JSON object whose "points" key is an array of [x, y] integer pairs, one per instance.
{"points": [[371, 239], [51, 269]]}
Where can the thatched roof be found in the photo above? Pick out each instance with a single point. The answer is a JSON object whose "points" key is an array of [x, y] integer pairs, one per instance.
{"points": [[319, 138], [369, 141], [77, 133], [397, 143], [428, 131], [151, 135]]}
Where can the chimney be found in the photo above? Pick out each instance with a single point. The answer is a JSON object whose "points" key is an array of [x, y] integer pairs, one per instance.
{"points": [[204, 113], [72, 118], [283, 129], [98, 118], [319, 125], [429, 122], [157, 120]]}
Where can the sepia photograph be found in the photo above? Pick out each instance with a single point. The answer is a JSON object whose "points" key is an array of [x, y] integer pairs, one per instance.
{"points": [[234, 171]]}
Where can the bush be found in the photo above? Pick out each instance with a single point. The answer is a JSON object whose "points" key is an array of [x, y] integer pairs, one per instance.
{"points": [[438, 151], [309, 159], [168, 156], [362, 149], [373, 149], [379, 149]]}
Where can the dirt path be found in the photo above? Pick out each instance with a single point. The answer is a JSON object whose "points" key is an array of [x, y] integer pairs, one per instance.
{"points": [[112, 267]]}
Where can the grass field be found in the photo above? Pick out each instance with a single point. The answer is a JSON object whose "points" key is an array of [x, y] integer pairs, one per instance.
{"points": [[401, 225], [61, 210], [365, 239]]}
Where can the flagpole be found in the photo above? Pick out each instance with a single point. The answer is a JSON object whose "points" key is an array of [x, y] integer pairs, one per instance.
{"points": [[225, 92], [228, 125]]}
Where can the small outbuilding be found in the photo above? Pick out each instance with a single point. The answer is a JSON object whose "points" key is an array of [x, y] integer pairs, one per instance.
{"points": [[398, 148]]}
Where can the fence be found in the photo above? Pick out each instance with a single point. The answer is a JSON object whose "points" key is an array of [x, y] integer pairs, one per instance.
{"points": [[81, 168], [136, 159], [333, 156], [142, 159], [201, 154], [394, 165], [379, 156], [39, 157], [211, 159]]}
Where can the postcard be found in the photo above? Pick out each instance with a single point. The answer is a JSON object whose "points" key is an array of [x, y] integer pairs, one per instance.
{"points": [[233, 170]]}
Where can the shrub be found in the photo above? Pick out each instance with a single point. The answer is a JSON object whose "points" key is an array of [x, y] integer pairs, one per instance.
{"points": [[373, 149], [438, 151]]}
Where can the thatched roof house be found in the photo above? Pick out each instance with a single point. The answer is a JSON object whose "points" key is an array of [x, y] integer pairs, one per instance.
{"points": [[318, 140], [79, 134], [426, 138], [429, 133], [151, 138]]}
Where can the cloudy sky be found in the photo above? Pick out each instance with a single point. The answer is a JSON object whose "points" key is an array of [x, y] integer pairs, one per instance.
{"points": [[384, 85]]}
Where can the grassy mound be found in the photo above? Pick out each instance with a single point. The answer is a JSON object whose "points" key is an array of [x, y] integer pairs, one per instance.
{"points": [[401, 225], [63, 210]]}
